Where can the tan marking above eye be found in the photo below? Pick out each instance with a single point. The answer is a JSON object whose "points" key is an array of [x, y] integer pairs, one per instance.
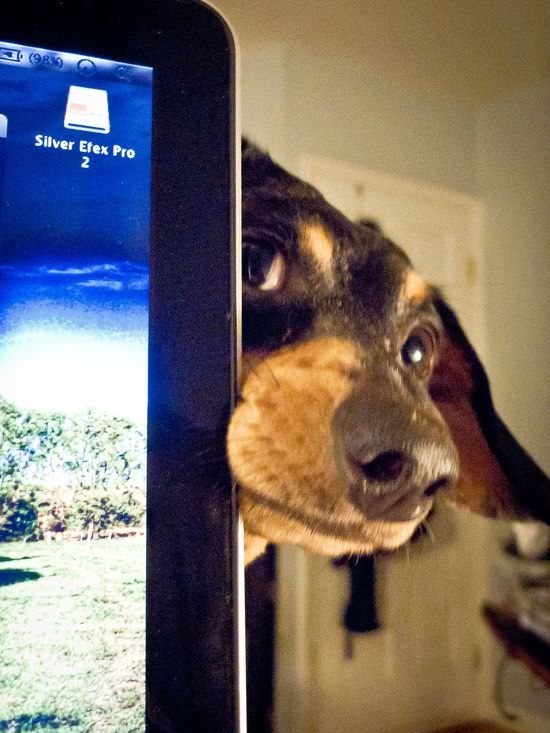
{"points": [[317, 243], [413, 289]]}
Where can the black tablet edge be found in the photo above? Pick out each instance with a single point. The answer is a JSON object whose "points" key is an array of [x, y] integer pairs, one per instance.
{"points": [[95, 38]]}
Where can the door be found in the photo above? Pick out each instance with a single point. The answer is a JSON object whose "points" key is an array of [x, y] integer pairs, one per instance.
{"points": [[427, 664]]}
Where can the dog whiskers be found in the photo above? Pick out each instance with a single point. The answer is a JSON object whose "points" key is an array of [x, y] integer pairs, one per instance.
{"points": [[205, 451], [208, 456], [220, 485], [352, 556], [425, 525], [270, 368], [254, 371], [250, 439]]}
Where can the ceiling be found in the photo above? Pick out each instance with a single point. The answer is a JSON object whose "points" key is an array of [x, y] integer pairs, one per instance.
{"points": [[477, 49]]}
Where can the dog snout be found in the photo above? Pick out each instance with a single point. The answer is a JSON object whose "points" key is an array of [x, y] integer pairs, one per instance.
{"points": [[393, 457]]}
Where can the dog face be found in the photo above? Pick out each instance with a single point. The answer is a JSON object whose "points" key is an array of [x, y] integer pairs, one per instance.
{"points": [[360, 396]]}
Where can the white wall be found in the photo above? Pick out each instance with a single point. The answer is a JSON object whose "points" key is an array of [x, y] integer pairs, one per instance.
{"points": [[456, 95], [295, 100], [514, 180], [338, 106], [513, 149]]}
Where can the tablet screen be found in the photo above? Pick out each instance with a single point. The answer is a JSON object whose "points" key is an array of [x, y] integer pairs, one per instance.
{"points": [[75, 143]]}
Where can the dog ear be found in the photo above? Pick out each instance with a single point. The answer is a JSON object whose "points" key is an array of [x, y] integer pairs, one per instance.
{"points": [[369, 223], [248, 148], [257, 167], [497, 477]]}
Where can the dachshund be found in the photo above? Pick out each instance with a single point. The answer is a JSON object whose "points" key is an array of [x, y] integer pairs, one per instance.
{"points": [[361, 397]]}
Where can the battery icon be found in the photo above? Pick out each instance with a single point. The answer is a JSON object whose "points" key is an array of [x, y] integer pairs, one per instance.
{"points": [[10, 54]]}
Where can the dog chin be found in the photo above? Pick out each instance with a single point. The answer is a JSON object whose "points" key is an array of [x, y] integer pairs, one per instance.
{"points": [[268, 526]]}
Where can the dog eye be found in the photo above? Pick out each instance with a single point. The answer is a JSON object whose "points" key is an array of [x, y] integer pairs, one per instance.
{"points": [[263, 266], [418, 350]]}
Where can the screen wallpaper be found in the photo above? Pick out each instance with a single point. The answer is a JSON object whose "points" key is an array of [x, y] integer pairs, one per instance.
{"points": [[75, 138]]}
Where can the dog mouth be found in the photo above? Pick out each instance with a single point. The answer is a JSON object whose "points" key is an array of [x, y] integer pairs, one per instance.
{"points": [[409, 507], [330, 532], [409, 504]]}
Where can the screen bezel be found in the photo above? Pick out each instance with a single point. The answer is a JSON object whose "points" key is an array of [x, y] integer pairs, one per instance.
{"points": [[192, 659]]}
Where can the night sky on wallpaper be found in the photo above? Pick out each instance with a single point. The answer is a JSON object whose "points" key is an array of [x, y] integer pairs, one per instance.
{"points": [[74, 243]]}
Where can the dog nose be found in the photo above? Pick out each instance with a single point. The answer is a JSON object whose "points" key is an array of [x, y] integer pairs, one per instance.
{"points": [[386, 466], [394, 458], [397, 485]]}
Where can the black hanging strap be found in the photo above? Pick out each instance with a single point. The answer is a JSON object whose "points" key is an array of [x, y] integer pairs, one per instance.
{"points": [[360, 614]]}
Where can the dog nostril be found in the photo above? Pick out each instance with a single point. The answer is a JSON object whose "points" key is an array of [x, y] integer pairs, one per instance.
{"points": [[436, 486], [387, 466]]}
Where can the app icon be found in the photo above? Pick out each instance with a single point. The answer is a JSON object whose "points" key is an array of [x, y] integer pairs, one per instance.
{"points": [[86, 67], [123, 73], [88, 110]]}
